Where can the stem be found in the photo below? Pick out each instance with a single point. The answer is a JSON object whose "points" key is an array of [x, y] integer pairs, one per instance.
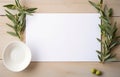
{"points": [[102, 34]]}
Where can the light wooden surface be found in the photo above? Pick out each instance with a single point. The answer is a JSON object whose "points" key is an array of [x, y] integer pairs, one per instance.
{"points": [[59, 69], [63, 5], [62, 69]]}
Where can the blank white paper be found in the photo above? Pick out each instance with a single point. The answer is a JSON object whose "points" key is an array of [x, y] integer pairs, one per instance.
{"points": [[63, 36]]}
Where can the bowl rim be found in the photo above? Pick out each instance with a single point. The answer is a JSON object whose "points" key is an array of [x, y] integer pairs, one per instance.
{"points": [[5, 49]]}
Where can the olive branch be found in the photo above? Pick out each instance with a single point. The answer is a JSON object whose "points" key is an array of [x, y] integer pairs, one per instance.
{"points": [[109, 40], [18, 20]]}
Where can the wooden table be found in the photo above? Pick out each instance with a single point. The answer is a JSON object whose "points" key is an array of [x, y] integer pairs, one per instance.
{"points": [[59, 69]]}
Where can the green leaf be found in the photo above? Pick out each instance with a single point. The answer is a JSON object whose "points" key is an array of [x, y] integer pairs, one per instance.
{"points": [[98, 52], [117, 37], [11, 17], [111, 60], [10, 26], [107, 56], [113, 45], [10, 6], [101, 1], [106, 45], [21, 17], [99, 40], [100, 58], [31, 10], [108, 52], [105, 10], [109, 30], [110, 11], [27, 13], [12, 33], [114, 30], [102, 28], [102, 12], [95, 5], [104, 19], [9, 13], [113, 55], [108, 26], [23, 25], [18, 3]]}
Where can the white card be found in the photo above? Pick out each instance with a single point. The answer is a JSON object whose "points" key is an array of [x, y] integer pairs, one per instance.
{"points": [[63, 36]]}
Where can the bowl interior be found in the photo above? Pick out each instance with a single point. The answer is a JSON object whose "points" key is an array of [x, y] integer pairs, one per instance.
{"points": [[16, 56]]}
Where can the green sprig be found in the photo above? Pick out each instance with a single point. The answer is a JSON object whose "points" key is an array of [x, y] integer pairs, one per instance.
{"points": [[109, 40], [18, 19]]}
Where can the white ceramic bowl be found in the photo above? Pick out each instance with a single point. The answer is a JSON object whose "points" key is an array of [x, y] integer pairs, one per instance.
{"points": [[16, 56]]}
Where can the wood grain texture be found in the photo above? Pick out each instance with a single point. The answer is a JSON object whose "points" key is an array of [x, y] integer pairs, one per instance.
{"points": [[115, 4], [61, 6], [63, 69], [70, 6]]}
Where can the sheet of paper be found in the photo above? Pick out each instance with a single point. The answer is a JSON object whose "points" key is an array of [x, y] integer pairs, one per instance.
{"points": [[63, 36]]}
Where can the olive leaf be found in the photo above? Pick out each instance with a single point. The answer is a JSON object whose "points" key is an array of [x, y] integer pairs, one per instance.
{"points": [[95, 5], [108, 32], [18, 19], [101, 1], [10, 25], [10, 6], [31, 10], [12, 33]]}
